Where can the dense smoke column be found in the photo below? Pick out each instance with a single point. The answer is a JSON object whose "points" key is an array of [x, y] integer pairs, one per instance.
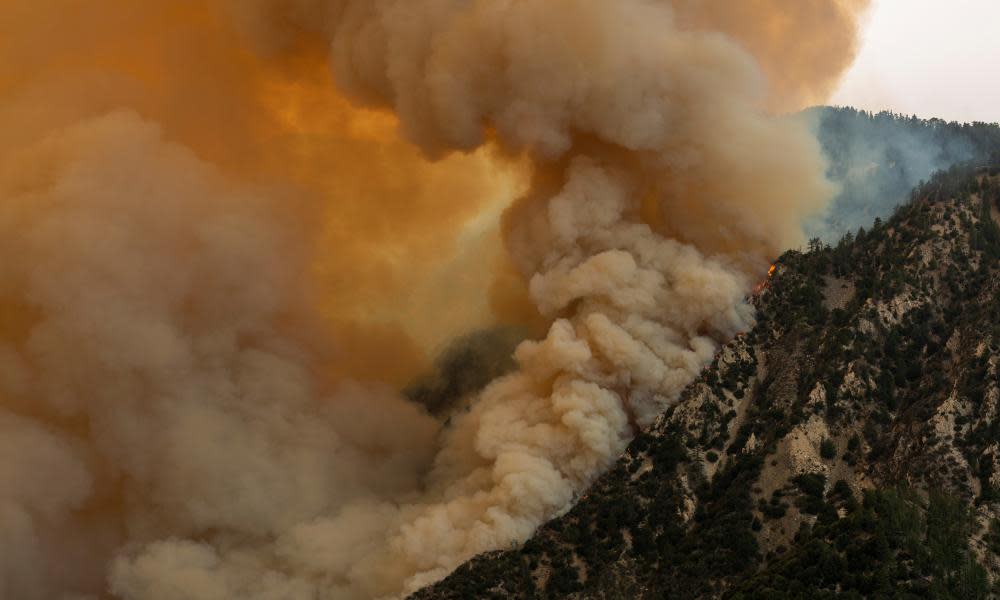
{"points": [[162, 357], [640, 136], [654, 164]]}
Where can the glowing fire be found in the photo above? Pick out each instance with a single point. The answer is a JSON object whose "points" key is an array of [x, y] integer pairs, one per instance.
{"points": [[760, 287]]}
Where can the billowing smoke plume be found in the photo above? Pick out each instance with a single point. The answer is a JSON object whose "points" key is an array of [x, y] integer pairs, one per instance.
{"points": [[176, 421], [802, 47]]}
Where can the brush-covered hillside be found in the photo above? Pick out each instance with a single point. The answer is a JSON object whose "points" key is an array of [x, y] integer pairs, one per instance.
{"points": [[848, 446]]}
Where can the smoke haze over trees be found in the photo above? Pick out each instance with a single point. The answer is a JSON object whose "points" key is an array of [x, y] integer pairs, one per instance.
{"points": [[877, 158]]}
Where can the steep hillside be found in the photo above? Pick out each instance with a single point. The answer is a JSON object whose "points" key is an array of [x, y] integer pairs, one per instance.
{"points": [[847, 446]]}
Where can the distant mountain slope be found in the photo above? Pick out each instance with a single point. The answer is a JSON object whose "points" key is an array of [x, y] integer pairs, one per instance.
{"points": [[878, 158], [848, 446]]}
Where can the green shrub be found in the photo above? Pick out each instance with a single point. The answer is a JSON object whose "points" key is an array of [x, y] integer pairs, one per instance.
{"points": [[811, 484], [828, 449]]}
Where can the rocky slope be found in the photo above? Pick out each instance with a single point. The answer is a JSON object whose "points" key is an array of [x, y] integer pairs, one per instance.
{"points": [[848, 446]]}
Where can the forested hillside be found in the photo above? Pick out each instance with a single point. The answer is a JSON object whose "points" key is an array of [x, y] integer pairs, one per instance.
{"points": [[877, 158]]}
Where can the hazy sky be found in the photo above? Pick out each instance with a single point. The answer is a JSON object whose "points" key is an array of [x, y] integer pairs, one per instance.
{"points": [[934, 58]]}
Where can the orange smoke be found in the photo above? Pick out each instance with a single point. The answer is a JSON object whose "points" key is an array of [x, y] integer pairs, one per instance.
{"points": [[803, 46], [384, 220]]}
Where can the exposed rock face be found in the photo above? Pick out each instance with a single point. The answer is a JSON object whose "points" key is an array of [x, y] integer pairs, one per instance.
{"points": [[858, 419]]}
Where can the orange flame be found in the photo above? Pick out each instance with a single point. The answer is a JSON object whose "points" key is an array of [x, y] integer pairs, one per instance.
{"points": [[760, 287]]}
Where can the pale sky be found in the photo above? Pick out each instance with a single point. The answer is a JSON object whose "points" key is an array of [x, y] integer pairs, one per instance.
{"points": [[932, 58]]}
